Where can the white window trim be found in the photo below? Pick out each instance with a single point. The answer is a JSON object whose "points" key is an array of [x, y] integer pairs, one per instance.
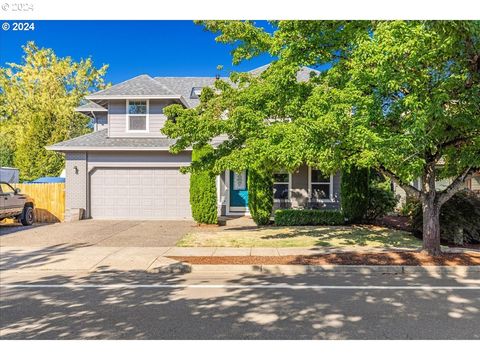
{"points": [[289, 186], [330, 199], [147, 115]]}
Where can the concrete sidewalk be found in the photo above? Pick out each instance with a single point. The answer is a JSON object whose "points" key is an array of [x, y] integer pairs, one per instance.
{"points": [[86, 259], [150, 259]]}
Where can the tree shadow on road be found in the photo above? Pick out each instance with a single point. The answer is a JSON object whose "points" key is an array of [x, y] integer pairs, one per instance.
{"points": [[24, 258], [245, 309]]}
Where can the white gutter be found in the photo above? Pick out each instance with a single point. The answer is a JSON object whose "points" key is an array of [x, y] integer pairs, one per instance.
{"points": [[104, 148], [95, 125], [137, 97], [78, 109]]}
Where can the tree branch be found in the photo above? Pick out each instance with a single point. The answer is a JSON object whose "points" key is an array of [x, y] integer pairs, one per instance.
{"points": [[409, 189], [458, 141], [455, 186]]}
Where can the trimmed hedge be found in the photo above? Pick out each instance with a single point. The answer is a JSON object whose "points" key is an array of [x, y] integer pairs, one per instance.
{"points": [[381, 201], [260, 196], [355, 190], [203, 192], [366, 195], [290, 217]]}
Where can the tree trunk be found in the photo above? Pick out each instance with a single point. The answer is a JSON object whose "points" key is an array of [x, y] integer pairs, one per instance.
{"points": [[431, 213], [431, 228]]}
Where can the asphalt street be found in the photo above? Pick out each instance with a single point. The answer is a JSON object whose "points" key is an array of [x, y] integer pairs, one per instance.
{"points": [[135, 305]]}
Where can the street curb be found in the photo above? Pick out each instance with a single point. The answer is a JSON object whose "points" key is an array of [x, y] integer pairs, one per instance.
{"points": [[359, 269], [172, 268]]}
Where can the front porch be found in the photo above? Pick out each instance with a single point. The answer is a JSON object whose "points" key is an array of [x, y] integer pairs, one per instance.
{"points": [[305, 188]]}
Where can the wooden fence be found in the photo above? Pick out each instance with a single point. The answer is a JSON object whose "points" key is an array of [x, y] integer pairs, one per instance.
{"points": [[49, 200]]}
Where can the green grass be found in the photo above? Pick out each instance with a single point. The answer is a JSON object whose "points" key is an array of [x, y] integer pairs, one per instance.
{"points": [[302, 236]]}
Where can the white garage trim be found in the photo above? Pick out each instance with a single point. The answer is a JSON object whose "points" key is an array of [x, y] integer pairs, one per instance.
{"points": [[100, 165]]}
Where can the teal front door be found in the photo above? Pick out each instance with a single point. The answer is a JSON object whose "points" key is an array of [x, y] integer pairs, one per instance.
{"points": [[238, 191]]}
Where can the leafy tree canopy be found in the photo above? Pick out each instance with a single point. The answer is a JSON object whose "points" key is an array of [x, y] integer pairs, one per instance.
{"points": [[398, 94], [401, 97], [37, 107]]}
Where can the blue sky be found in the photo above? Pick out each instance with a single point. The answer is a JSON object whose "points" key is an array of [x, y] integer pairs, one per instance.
{"points": [[131, 48]]}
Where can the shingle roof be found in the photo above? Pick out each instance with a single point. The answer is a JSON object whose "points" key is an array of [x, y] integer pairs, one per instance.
{"points": [[172, 87], [99, 140], [302, 75], [142, 85], [90, 106], [184, 85]]}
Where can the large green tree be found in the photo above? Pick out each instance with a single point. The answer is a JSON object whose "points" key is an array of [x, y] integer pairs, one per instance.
{"points": [[401, 97], [37, 108]]}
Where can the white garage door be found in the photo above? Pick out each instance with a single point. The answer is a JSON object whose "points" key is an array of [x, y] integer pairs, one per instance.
{"points": [[136, 193]]}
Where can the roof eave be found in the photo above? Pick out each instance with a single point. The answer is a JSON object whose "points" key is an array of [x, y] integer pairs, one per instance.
{"points": [[135, 97], [103, 148], [89, 110]]}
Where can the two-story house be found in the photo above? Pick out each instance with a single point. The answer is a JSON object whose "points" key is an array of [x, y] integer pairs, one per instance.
{"points": [[124, 170]]}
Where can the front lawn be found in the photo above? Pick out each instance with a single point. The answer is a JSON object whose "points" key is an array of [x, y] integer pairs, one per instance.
{"points": [[302, 236]]}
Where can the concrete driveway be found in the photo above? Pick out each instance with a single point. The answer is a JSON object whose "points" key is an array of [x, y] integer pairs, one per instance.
{"points": [[104, 233]]}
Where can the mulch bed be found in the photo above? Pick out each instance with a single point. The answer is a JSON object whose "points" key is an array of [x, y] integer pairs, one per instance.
{"points": [[410, 258]]}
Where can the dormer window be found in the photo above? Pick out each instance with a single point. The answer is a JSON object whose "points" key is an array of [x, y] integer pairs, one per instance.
{"points": [[137, 115], [195, 94]]}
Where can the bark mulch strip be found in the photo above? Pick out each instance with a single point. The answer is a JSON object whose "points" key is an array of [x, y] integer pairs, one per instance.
{"points": [[407, 258]]}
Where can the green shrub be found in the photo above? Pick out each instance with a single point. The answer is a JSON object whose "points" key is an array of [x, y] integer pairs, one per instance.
{"points": [[459, 218], [203, 192], [381, 200], [260, 196], [366, 195], [290, 217], [354, 189], [408, 207]]}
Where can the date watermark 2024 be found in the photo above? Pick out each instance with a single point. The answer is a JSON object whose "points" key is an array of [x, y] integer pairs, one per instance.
{"points": [[17, 6], [18, 26]]}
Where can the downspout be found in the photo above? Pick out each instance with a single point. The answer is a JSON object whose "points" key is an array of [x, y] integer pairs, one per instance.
{"points": [[95, 125]]}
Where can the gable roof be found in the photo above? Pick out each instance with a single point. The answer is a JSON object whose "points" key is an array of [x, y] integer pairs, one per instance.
{"points": [[90, 106], [138, 87]]}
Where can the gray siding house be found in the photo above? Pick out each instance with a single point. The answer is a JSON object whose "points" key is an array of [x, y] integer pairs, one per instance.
{"points": [[123, 169]]}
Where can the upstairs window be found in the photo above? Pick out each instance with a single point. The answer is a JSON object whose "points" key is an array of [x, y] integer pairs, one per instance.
{"points": [[196, 91], [281, 186], [320, 185], [137, 115]]}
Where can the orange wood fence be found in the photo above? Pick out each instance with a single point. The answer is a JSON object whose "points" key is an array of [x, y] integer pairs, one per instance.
{"points": [[49, 200]]}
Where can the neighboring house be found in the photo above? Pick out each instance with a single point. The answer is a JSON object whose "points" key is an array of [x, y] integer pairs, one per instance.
{"points": [[9, 175], [123, 170], [473, 184]]}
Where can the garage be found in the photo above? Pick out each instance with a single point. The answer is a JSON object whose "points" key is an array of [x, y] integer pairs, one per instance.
{"points": [[139, 193]]}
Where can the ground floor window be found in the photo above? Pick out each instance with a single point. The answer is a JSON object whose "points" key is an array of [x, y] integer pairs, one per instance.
{"points": [[281, 186], [320, 185]]}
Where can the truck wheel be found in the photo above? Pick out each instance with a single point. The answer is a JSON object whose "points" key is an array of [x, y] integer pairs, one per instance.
{"points": [[27, 216]]}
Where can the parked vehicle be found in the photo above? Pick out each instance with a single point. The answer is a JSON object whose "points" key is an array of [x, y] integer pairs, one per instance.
{"points": [[16, 205]]}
